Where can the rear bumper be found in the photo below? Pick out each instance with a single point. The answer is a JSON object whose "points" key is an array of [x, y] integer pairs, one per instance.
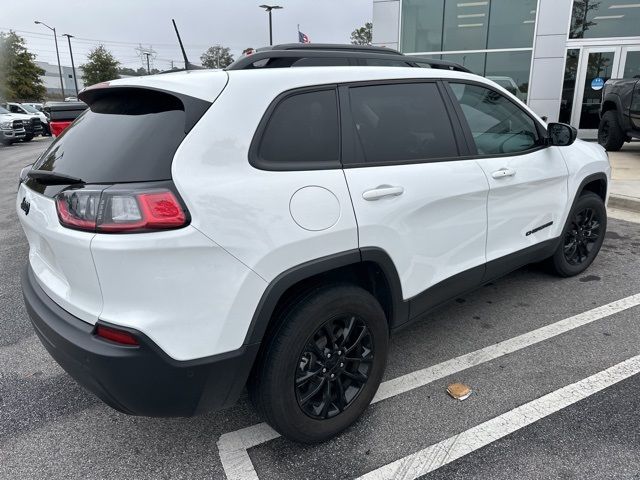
{"points": [[139, 380]]}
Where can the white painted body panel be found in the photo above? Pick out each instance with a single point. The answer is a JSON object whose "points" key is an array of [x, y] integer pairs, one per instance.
{"points": [[182, 290], [194, 291], [435, 229], [60, 257], [583, 159], [246, 210], [534, 196]]}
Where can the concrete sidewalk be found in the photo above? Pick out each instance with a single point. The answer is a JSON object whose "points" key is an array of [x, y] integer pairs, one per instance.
{"points": [[625, 185]]}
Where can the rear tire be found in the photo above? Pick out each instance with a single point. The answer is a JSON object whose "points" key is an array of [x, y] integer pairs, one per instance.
{"points": [[582, 236], [610, 134], [333, 341]]}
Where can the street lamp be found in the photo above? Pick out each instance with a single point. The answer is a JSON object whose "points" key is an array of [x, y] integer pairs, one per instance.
{"points": [[55, 37], [73, 66], [268, 9]]}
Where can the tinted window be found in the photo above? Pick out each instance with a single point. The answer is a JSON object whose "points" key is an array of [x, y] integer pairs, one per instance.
{"points": [[303, 129], [395, 123], [126, 135], [497, 124]]}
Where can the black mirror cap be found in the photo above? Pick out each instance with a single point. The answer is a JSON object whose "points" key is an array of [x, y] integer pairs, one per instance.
{"points": [[561, 134]]}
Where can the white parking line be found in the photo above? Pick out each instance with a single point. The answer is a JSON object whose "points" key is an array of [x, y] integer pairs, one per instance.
{"points": [[233, 446], [437, 455]]}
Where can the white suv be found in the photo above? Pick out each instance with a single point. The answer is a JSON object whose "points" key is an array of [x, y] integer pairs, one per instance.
{"points": [[195, 232]]}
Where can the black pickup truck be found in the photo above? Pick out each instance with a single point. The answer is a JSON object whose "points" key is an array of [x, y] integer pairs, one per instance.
{"points": [[619, 113]]}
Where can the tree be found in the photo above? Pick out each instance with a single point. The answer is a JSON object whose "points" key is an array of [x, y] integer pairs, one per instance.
{"points": [[127, 71], [19, 75], [101, 66], [362, 35], [216, 57], [580, 17]]}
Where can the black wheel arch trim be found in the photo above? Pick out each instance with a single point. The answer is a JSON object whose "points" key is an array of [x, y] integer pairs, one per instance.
{"points": [[279, 285]]}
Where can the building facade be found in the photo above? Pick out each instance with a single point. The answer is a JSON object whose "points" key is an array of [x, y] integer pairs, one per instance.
{"points": [[51, 79], [553, 54]]}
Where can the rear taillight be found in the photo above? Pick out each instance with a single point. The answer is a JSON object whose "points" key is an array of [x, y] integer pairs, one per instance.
{"points": [[117, 336], [120, 211]]}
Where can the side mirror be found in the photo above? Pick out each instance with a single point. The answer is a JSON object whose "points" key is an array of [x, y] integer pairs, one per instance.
{"points": [[561, 134]]}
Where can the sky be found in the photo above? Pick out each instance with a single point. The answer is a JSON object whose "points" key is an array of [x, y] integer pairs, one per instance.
{"points": [[122, 25]]}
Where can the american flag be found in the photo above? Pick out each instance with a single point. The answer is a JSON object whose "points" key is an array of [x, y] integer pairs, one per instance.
{"points": [[303, 38]]}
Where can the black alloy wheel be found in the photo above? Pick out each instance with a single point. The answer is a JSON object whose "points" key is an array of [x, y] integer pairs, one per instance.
{"points": [[582, 236], [334, 367]]}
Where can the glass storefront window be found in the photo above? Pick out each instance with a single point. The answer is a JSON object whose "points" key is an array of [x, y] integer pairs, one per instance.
{"points": [[599, 66], [454, 25], [511, 23], [604, 18], [465, 25], [422, 25], [473, 61], [632, 65], [511, 71], [569, 85]]}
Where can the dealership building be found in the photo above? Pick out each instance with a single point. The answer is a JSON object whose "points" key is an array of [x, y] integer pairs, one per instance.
{"points": [[553, 54]]}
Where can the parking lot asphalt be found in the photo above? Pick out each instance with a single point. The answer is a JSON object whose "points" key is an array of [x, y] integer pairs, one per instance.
{"points": [[517, 341]]}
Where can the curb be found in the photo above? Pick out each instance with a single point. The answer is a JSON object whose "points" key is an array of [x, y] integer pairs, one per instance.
{"points": [[623, 202]]}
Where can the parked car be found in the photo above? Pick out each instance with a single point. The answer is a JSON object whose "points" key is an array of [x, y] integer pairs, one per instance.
{"points": [[11, 127], [197, 232], [62, 114], [32, 121], [619, 113], [36, 105]]}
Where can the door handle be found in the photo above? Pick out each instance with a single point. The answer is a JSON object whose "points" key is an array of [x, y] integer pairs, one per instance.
{"points": [[503, 172], [382, 191]]}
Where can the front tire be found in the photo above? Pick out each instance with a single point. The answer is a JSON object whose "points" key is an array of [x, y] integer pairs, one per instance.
{"points": [[28, 138], [582, 236], [610, 134], [323, 364]]}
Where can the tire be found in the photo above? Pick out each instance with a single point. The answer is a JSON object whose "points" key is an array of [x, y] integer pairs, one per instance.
{"points": [[7, 143], [28, 138], [290, 367], [581, 239], [610, 134]]}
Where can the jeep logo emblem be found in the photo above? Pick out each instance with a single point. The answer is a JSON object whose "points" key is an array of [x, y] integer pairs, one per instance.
{"points": [[25, 206]]}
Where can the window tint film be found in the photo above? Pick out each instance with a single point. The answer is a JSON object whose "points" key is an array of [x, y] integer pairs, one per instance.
{"points": [[303, 129], [126, 135], [396, 123], [497, 125]]}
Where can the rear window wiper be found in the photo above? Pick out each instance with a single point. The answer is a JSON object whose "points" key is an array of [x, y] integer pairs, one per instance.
{"points": [[46, 177]]}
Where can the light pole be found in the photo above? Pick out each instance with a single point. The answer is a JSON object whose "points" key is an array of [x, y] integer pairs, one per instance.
{"points": [[268, 9], [55, 37], [73, 66], [147, 55]]}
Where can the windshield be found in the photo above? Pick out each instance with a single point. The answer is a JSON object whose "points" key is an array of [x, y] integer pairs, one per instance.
{"points": [[30, 109]]}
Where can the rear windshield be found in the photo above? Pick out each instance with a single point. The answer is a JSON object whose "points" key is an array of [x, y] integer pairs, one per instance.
{"points": [[126, 135]]}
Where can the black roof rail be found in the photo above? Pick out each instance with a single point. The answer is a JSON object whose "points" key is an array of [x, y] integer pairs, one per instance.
{"points": [[331, 47], [441, 64]]}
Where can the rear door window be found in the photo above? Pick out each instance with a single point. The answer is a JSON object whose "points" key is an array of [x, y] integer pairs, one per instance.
{"points": [[401, 123], [302, 132], [126, 135]]}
